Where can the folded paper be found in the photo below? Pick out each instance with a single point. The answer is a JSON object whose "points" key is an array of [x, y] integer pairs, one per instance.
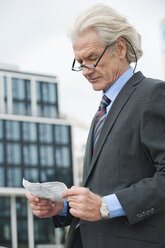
{"points": [[48, 190]]}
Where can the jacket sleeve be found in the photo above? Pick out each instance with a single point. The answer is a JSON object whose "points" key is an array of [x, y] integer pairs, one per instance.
{"points": [[62, 221], [146, 197]]}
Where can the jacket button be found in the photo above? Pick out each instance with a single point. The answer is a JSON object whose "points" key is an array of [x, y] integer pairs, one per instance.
{"points": [[139, 215], [148, 212], [152, 210], [143, 214]]}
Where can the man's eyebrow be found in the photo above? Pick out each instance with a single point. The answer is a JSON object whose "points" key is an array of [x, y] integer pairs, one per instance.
{"points": [[89, 55]]}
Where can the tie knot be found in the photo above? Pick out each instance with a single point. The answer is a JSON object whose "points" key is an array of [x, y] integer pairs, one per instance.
{"points": [[104, 102]]}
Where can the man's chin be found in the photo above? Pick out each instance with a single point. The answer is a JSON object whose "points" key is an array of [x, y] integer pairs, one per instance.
{"points": [[97, 87]]}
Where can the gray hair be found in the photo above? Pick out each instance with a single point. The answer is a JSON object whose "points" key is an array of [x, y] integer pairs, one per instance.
{"points": [[109, 25]]}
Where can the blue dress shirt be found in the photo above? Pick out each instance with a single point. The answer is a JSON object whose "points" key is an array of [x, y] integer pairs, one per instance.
{"points": [[114, 206]]}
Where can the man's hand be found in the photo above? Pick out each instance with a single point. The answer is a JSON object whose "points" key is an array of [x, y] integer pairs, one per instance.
{"points": [[83, 203], [44, 208]]}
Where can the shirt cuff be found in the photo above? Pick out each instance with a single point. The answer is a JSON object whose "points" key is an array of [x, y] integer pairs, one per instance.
{"points": [[114, 206], [64, 211]]}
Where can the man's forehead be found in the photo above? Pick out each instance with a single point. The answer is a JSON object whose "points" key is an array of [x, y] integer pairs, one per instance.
{"points": [[88, 38], [87, 48]]}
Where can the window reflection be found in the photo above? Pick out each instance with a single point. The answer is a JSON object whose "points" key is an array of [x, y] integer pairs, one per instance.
{"points": [[13, 153], [64, 175], [49, 92], [38, 91], [4, 206], [1, 129], [47, 99], [29, 131], [5, 225], [14, 178], [61, 134], [30, 155], [13, 130], [19, 108], [47, 175], [21, 96], [50, 111], [18, 88], [22, 226], [1, 153], [45, 133], [44, 231], [46, 155], [31, 174], [62, 157], [2, 177], [5, 86], [39, 110]]}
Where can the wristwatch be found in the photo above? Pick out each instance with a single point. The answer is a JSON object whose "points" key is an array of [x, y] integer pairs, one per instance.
{"points": [[104, 211]]}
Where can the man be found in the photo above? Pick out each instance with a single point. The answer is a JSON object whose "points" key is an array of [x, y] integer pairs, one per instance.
{"points": [[122, 203]]}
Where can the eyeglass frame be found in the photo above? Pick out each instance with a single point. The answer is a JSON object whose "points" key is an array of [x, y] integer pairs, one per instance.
{"points": [[89, 66], [94, 66]]}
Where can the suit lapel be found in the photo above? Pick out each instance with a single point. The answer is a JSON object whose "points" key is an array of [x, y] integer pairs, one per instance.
{"points": [[89, 150], [115, 110]]}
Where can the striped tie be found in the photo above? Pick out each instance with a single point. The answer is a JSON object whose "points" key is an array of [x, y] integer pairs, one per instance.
{"points": [[100, 118]]}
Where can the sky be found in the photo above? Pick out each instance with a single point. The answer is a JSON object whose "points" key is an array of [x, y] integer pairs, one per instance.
{"points": [[33, 36]]}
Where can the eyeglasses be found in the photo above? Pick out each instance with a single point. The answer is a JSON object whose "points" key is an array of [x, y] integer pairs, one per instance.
{"points": [[80, 67]]}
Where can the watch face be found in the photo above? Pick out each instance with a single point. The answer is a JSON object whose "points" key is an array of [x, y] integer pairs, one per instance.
{"points": [[104, 210]]}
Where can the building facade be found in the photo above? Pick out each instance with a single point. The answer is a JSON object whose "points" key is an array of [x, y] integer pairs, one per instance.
{"points": [[35, 144]]}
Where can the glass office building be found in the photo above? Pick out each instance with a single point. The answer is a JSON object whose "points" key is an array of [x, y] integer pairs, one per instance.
{"points": [[35, 144]]}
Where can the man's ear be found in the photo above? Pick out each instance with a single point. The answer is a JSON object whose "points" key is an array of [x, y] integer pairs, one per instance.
{"points": [[121, 48]]}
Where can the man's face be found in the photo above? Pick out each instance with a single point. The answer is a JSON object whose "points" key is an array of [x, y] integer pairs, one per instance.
{"points": [[88, 49]]}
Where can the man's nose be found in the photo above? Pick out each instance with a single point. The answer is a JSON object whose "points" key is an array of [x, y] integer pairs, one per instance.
{"points": [[86, 71]]}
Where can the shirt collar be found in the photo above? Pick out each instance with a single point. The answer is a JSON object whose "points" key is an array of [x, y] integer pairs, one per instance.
{"points": [[115, 88]]}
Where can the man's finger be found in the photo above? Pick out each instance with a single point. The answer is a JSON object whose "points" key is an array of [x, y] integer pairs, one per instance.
{"points": [[32, 198], [73, 191]]}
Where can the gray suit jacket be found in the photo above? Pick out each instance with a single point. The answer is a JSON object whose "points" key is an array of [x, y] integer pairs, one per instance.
{"points": [[129, 160]]}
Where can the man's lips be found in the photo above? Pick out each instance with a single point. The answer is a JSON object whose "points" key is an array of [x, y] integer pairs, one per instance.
{"points": [[94, 79]]}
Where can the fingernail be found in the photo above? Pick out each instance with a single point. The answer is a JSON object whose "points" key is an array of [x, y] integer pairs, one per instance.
{"points": [[37, 199]]}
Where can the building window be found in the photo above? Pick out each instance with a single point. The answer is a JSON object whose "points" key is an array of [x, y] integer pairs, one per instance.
{"points": [[49, 93], [45, 133], [13, 155], [1, 129], [12, 130], [46, 156], [44, 231], [21, 96], [64, 175], [14, 177], [22, 225], [62, 155], [29, 131], [47, 175], [20, 108], [30, 155], [62, 134], [31, 174], [47, 99], [5, 225], [1, 153], [50, 111], [2, 177], [5, 92]]}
